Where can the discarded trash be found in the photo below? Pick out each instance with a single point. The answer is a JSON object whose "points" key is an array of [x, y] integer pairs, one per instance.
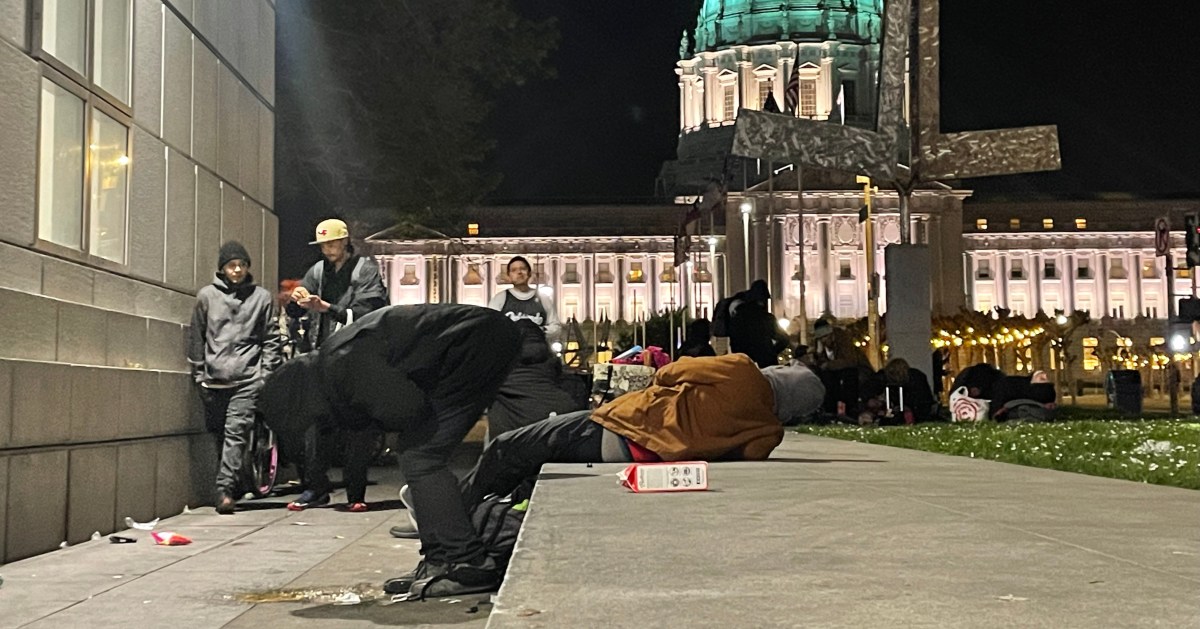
{"points": [[400, 598], [1151, 446], [96, 536], [339, 537], [676, 476], [474, 609], [301, 524], [118, 576], [64, 544], [141, 526], [452, 601], [347, 598], [1010, 598], [526, 613], [186, 510], [170, 539], [121, 539]]}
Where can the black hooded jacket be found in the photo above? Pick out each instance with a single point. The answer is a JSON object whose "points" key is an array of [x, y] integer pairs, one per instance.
{"points": [[234, 338], [533, 388], [393, 369]]}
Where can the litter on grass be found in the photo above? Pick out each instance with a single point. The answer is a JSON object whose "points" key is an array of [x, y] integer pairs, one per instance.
{"points": [[1151, 446]]}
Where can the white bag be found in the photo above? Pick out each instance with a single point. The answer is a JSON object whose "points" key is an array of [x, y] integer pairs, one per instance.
{"points": [[964, 408]]}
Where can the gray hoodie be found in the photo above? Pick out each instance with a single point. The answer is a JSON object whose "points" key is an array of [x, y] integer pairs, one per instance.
{"points": [[234, 337]]}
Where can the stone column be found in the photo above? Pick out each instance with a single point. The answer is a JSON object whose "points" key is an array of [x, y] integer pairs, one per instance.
{"points": [[780, 275], [825, 253], [711, 92], [1068, 283]]}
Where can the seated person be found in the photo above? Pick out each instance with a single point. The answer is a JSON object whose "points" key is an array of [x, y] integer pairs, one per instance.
{"points": [[711, 409], [842, 367], [897, 394], [697, 344], [533, 389]]}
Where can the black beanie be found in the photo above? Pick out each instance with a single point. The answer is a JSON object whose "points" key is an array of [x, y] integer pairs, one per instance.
{"points": [[232, 250]]}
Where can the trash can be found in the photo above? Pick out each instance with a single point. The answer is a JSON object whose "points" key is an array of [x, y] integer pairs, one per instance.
{"points": [[1124, 390]]}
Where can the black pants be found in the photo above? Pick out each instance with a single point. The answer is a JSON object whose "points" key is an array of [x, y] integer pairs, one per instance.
{"points": [[841, 385], [319, 447], [518, 454], [473, 371], [229, 414]]}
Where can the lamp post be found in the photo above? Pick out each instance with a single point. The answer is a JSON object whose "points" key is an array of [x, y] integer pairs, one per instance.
{"points": [[876, 343]]}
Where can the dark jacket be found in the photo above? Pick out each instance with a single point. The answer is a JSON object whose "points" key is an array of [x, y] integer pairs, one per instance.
{"points": [[533, 388], [753, 331], [365, 294], [393, 369], [234, 338], [918, 397]]}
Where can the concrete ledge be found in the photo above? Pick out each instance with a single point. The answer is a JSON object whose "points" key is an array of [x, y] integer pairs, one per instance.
{"points": [[839, 534]]}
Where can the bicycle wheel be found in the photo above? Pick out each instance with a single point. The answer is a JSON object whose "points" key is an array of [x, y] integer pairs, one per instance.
{"points": [[263, 461]]}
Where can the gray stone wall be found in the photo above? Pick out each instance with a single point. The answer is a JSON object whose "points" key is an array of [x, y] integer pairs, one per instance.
{"points": [[98, 417]]}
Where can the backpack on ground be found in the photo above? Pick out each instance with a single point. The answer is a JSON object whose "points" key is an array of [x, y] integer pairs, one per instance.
{"points": [[498, 521]]}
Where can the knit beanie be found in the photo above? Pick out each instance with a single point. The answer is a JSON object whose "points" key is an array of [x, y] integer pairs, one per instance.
{"points": [[232, 250]]}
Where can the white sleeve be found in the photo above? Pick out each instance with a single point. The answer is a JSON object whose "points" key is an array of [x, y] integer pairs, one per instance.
{"points": [[553, 326], [497, 302]]}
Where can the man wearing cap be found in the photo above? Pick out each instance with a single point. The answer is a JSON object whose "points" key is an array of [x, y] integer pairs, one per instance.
{"points": [[232, 345], [336, 291]]}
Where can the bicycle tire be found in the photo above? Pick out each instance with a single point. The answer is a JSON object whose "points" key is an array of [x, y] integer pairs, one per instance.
{"points": [[263, 460]]}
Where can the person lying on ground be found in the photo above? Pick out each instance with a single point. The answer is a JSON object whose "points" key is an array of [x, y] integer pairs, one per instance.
{"points": [[425, 372], [711, 409]]}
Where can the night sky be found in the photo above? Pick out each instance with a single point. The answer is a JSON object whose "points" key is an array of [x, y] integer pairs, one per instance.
{"points": [[1119, 79]]}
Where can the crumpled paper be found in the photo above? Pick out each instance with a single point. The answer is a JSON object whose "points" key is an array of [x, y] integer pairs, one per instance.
{"points": [[141, 526], [1151, 446]]}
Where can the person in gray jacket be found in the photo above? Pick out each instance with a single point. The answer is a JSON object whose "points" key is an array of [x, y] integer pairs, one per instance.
{"points": [[233, 344]]}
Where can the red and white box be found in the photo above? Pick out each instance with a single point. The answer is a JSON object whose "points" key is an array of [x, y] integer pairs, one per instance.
{"points": [[676, 476]]}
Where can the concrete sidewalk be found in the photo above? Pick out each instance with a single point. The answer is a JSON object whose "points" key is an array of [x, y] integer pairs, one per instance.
{"points": [[304, 560], [839, 534]]}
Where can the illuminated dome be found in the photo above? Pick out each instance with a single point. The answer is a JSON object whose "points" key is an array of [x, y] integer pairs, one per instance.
{"points": [[724, 23]]}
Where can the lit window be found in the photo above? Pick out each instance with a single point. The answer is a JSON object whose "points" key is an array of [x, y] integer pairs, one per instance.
{"points": [[808, 98], [1091, 357], [729, 92], [1149, 269], [1081, 223], [70, 29], [1047, 223], [111, 47], [87, 217], [764, 92], [981, 224], [64, 32], [635, 274], [1014, 223], [60, 177], [1116, 269], [472, 229], [110, 173]]}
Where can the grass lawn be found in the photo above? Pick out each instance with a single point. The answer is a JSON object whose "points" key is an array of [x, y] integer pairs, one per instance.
{"points": [[1158, 451]]}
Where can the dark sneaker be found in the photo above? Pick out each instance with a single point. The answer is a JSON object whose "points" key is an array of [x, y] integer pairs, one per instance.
{"points": [[458, 580], [403, 583], [405, 531], [308, 500], [225, 503]]}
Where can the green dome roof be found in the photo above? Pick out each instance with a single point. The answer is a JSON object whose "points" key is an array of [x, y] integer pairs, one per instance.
{"points": [[724, 23]]}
